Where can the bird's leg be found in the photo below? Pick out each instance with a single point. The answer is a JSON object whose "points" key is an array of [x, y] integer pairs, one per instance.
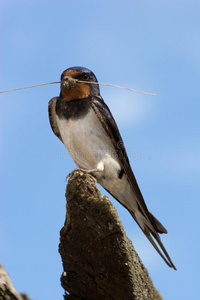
{"points": [[99, 168]]}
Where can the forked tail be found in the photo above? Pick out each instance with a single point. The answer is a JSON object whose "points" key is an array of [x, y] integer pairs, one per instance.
{"points": [[151, 230]]}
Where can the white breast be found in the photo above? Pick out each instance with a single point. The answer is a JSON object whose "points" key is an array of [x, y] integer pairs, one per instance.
{"points": [[87, 144], [86, 141]]}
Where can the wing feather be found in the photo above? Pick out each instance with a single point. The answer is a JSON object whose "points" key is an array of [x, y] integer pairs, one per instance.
{"points": [[52, 117], [108, 123], [105, 116]]}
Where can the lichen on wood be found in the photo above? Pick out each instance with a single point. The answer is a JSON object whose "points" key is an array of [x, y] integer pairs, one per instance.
{"points": [[7, 289], [99, 260]]}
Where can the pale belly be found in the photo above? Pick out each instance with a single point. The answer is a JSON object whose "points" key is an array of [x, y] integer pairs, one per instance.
{"points": [[87, 142]]}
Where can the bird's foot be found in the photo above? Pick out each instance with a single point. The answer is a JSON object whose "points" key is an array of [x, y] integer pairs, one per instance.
{"points": [[71, 173], [89, 172]]}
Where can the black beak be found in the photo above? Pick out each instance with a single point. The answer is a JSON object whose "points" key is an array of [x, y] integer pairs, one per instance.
{"points": [[68, 82]]}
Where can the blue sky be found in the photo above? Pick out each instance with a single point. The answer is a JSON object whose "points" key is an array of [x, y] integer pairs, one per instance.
{"points": [[152, 46]]}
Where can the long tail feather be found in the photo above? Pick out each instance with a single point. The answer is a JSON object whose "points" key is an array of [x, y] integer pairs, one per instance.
{"points": [[157, 238], [148, 232]]}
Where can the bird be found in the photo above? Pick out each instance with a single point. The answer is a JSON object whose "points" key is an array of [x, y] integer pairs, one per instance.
{"points": [[83, 122]]}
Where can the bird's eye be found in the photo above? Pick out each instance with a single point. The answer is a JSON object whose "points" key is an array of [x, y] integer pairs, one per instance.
{"points": [[85, 76]]}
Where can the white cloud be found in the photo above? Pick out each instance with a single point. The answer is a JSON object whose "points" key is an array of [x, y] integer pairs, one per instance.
{"points": [[129, 107]]}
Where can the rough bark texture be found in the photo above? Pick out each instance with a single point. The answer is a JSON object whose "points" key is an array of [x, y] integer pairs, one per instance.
{"points": [[7, 289], [99, 260]]}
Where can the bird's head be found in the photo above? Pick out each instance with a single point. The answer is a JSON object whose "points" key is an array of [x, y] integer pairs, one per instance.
{"points": [[72, 89]]}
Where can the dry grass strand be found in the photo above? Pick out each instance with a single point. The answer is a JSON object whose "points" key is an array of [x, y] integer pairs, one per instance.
{"points": [[106, 84]]}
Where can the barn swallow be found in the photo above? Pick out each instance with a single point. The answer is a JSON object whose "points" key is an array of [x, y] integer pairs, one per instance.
{"points": [[80, 118]]}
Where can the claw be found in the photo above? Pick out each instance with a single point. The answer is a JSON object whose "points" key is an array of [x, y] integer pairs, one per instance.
{"points": [[84, 171], [71, 173]]}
